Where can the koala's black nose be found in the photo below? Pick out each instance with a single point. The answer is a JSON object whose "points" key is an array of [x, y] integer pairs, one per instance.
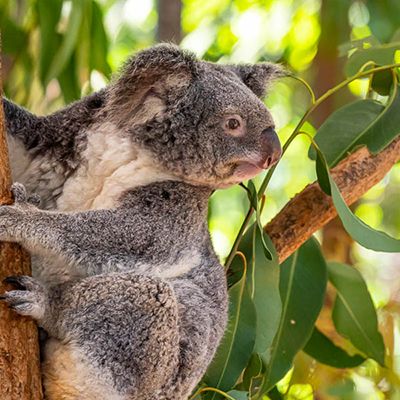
{"points": [[270, 147]]}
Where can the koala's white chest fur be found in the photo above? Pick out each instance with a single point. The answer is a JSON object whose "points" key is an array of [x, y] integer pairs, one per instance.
{"points": [[111, 165]]}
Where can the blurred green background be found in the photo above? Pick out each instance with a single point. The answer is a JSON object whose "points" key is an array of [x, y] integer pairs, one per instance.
{"points": [[55, 51]]}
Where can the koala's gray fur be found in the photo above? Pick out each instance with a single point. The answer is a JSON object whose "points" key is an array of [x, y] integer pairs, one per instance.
{"points": [[129, 288]]}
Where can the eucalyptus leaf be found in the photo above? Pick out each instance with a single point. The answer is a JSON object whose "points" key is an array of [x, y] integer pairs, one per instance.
{"points": [[382, 82], [253, 198], [326, 352], [386, 127], [263, 283], [252, 371], [69, 82], [354, 313], [49, 13], [379, 55], [66, 48], [238, 395], [14, 39], [99, 42], [238, 342], [302, 286], [358, 230], [344, 129]]}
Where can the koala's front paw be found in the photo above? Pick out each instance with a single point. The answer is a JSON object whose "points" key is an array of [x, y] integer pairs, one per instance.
{"points": [[29, 298], [21, 198], [12, 216]]}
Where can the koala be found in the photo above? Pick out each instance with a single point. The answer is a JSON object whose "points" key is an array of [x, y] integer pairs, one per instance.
{"points": [[126, 282]]}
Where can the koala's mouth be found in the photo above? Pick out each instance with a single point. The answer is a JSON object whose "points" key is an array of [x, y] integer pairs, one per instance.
{"points": [[246, 170]]}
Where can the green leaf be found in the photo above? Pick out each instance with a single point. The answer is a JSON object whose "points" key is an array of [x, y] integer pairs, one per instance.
{"points": [[263, 283], [263, 286], [238, 395], [354, 313], [99, 42], [67, 46], [382, 82], [344, 128], [358, 230], [252, 374], [253, 198], [322, 173], [237, 345], [380, 55], [386, 127], [326, 352], [14, 38], [69, 82], [302, 286], [49, 14]]}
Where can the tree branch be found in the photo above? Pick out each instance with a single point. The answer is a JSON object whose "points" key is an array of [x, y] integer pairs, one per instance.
{"points": [[19, 346], [311, 209]]}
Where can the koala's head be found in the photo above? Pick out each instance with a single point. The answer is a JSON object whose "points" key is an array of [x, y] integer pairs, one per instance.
{"points": [[203, 123]]}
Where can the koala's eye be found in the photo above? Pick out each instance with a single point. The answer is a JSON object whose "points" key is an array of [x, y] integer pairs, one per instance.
{"points": [[232, 123]]}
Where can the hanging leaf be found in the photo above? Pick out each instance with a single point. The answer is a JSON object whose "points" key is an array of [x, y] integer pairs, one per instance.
{"points": [[302, 286], [252, 375], [253, 198], [326, 352], [354, 313], [263, 282], [263, 286], [49, 14], [60, 59], [14, 39], [386, 127], [382, 82], [344, 128], [380, 55], [99, 42], [69, 82], [237, 345], [358, 230], [238, 395]]}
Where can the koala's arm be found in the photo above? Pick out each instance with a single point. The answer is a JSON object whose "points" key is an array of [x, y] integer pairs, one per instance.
{"points": [[123, 325], [90, 242]]}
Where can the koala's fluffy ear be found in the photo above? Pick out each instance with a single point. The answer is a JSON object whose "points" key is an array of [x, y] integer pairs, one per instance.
{"points": [[258, 76], [149, 77]]}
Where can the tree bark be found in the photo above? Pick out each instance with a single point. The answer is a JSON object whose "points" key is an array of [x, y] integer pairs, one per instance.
{"points": [[19, 346], [311, 209], [169, 21]]}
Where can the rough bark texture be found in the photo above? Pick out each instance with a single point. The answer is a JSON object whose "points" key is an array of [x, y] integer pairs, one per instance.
{"points": [[169, 21], [311, 209], [19, 347]]}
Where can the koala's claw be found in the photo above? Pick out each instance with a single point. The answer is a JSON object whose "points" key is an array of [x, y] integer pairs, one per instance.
{"points": [[19, 192], [20, 195], [15, 281], [29, 299]]}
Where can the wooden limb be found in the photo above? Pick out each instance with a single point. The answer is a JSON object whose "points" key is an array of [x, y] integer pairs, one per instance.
{"points": [[311, 209], [19, 346]]}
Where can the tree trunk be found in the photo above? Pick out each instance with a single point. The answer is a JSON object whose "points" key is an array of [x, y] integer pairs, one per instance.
{"points": [[169, 21], [19, 347]]}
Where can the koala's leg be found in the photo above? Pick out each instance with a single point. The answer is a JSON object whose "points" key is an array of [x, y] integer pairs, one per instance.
{"points": [[113, 336]]}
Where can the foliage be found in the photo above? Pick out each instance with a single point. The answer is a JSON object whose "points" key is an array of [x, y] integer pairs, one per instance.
{"points": [[281, 320]]}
